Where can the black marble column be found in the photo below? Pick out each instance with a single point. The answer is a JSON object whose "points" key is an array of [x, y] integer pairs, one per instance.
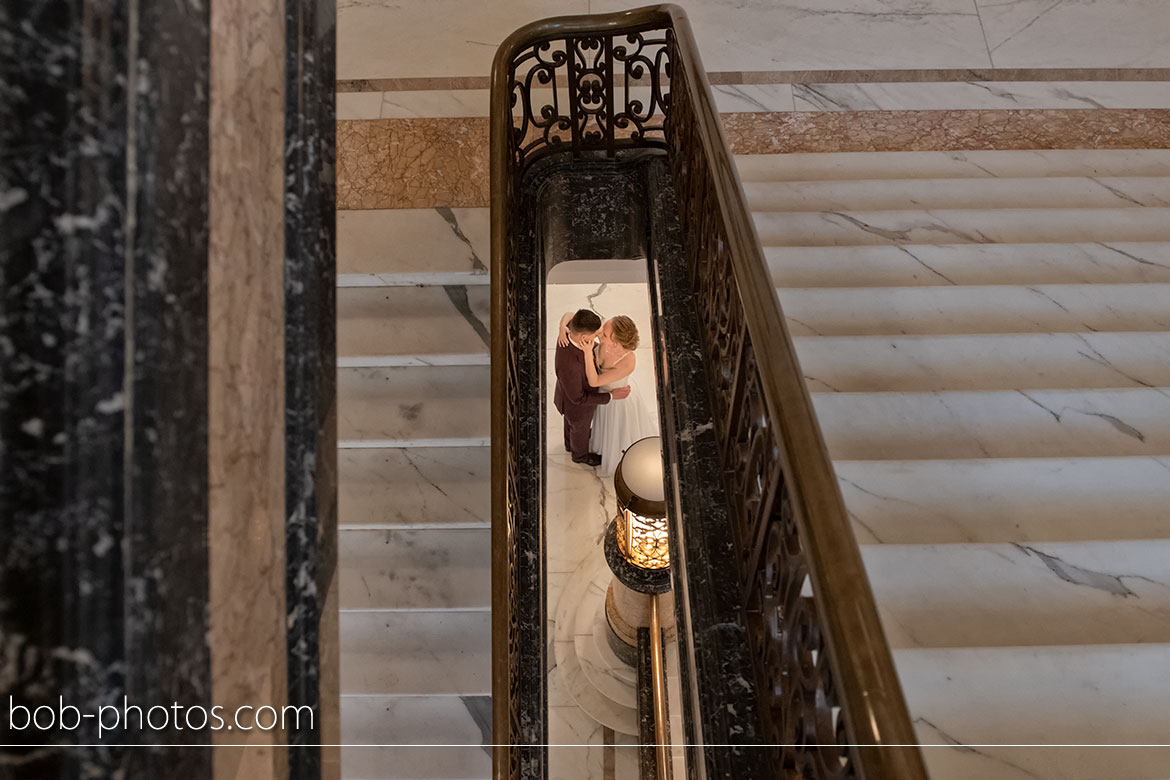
{"points": [[103, 376], [105, 356], [310, 385]]}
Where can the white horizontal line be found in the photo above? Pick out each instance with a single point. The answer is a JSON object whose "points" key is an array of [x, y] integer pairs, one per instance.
{"points": [[577, 745], [412, 526], [437, 610]]}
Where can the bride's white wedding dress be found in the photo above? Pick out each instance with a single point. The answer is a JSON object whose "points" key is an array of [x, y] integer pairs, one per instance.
{"points": [[620, 423]]}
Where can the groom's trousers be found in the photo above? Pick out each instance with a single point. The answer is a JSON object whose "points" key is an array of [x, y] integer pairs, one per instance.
{"points": [[577, 429]]}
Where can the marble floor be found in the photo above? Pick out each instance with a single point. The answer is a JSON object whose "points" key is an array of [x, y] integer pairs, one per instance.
{"points": [[592, 706]]}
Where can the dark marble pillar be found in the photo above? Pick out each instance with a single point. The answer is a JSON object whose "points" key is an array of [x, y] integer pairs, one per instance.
{"points": [[103, 376], [167, 519], [310, 386]]}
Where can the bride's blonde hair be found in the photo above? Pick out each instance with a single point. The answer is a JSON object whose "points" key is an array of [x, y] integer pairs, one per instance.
{"points": [[625, 332]]}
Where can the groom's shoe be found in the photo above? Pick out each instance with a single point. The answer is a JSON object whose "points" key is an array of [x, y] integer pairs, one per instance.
{"points": [[590, 459]]}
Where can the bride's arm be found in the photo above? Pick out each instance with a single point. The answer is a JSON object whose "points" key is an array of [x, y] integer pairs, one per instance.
{"points": [[563, 330], [621, 370]]}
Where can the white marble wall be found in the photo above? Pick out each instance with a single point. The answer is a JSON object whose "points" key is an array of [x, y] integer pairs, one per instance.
{"points": [[876, 96], [393, 38]]}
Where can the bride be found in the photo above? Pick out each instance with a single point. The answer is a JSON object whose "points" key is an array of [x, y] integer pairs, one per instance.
{"points": [[615, 425]]}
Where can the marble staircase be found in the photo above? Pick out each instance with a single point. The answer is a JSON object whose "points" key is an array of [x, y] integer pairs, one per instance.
{"points": [[414, 463], [987, 339]]}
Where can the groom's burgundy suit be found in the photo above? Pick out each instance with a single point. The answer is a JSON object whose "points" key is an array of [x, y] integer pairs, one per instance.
{"points": [[575, 400]]}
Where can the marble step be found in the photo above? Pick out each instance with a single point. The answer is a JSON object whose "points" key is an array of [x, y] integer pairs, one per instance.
{"points": [[1010, 361], [962, 226], [975, 264], [415, 487], [600, 676], [453, 727], [1002, 424], [413, 246], [1078, 696], [572, 694], [1050, 192], [1057, 308], [440, 762], [423, 405], [972, 164], [1006, 500], [431, 568], [602, 651], [416, 652], [431, 325], [986, 595]]}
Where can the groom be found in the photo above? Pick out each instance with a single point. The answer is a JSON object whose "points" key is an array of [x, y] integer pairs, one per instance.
{"points": [[574, 398]]}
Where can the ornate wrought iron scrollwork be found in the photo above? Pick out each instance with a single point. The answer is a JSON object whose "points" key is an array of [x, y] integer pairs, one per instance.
{"points": [[589, 93], [797, 699]]}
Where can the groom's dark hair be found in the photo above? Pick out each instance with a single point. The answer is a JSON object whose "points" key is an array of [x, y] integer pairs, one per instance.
{"points": [[585, 321]]}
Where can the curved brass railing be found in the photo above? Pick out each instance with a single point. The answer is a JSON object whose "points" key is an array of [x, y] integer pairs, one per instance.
{"points": [[590, 85]]}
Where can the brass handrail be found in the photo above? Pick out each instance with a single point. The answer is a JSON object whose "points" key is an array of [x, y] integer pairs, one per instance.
{"points": [[658, 677], [759, 363]]}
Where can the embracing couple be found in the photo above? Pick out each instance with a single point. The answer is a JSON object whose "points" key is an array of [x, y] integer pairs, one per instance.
{"points": [[603, 410]]}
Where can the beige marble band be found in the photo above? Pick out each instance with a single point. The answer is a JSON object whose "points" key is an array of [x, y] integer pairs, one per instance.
{"points": [[808, 77], [427, 163], [921, 131], [246, 382]]}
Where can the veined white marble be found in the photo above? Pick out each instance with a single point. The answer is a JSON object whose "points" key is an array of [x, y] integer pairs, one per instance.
{"points": [[756, 98], [405, 403], [1081, 33], [1019, 163], [588, 685], [958, 226], [1013, 424], [579, 680], [407, 361], [420, 323], [437, 763], [1083, 695], [987, 595], [961, 193], [1068, 308], [416, 652], [1006, 500], [981, 95], [579, 503], [607, 299], [393, 39], [970, 264], [605, 655], [383, 247], [446, 487], [358, 105], [753, 97], [842, 34], [412, 443], [383, 38], [429, 568], [600, 675], [414, 720], [1015, 361], [573, 686], [476, 102]]}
